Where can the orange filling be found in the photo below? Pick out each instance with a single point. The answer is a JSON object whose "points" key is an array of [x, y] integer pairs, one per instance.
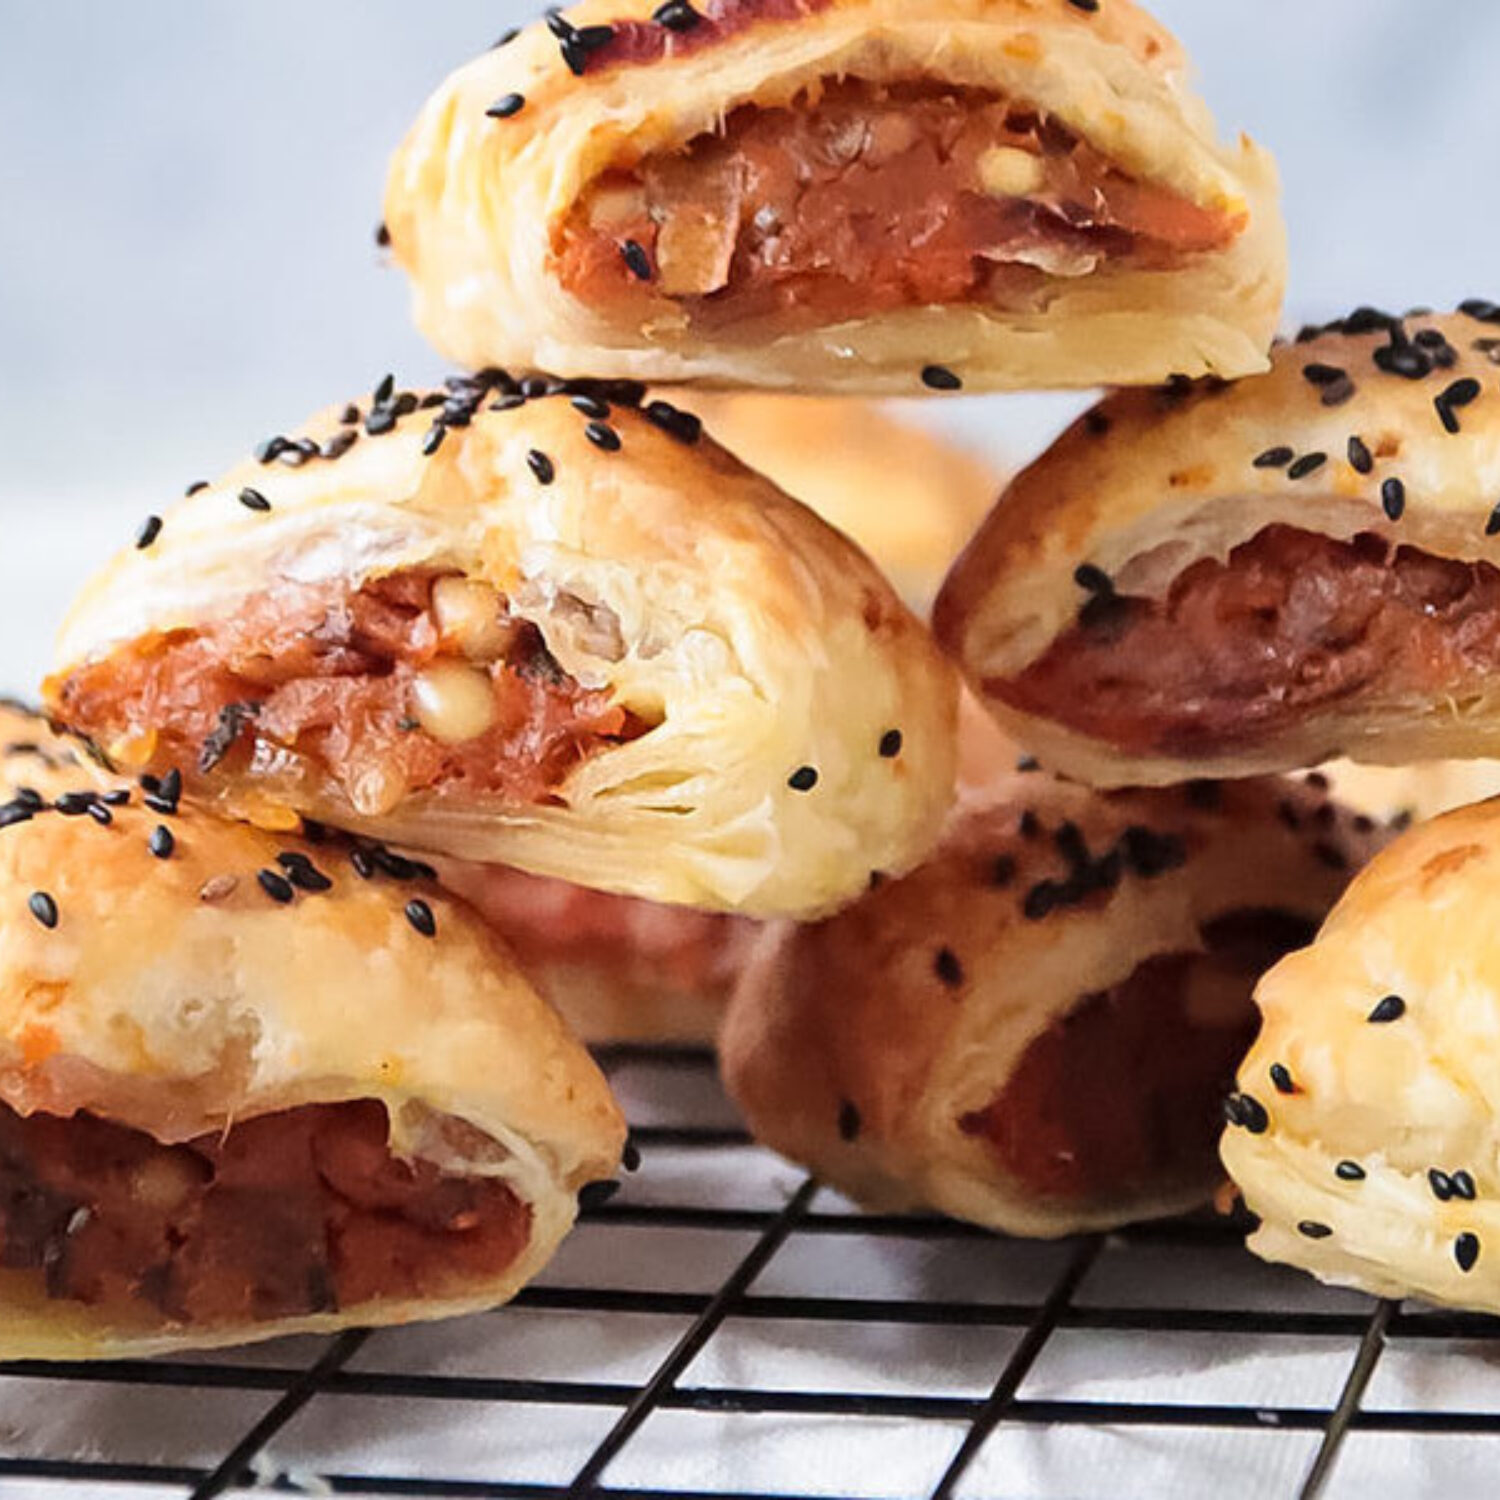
{"points": [[1124, 1093], [282, 1216], [1292, 624], [867, 198], [376, 692]]}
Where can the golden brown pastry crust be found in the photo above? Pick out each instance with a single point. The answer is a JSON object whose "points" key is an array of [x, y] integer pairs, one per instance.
{"points": [[1152, 481], [906, 495], [1376, 1156], [473, 203], [857, 1044], [176, 996], [754, 638]]}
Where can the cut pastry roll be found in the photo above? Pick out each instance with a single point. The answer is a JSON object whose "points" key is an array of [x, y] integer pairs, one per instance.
{"points": [[1036, 1029], [557, 632], [248, 1087], [1224, 580], [852, 195], [1363, 1132]]}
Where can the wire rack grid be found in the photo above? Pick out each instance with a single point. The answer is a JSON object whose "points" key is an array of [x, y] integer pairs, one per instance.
{"points": [[723, 1326]]}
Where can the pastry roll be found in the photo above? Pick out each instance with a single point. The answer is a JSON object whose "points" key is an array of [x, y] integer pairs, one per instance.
{"points": [[1363, 1132], [618, 968], [1212, 580], [1035, 1030], [249, 1087], [863, 196], [553, 631], [1408, 794], [908, 496]]}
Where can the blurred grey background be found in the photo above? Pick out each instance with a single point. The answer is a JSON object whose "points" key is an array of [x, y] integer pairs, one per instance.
{"points": [[189, 189]]}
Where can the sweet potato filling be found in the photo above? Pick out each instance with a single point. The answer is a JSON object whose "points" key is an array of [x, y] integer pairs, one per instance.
{"points": [[1124, 1093], [860, 198], [413, 682], [281, 1216], [1290, 625]]}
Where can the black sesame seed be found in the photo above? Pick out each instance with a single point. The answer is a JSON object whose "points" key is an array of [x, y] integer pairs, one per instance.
{"points": [[349, 415], [1003, 871], [506, 106], [101, 814], [673, 421], [1090, 6], [590, 406], [1441, 1184], [940, 378], [1405, 360], [1041, 900], [1361, 460], [1282, 1079], [1096, 421], [1349, 1171], [380, 421], [1150, 854], [434, 438], [946, 966], [383, 234], [364, 866], [419, 914], [676, 15], [307, 877], [1392, 1008], [43, 908], [890, 744], [117, 797], [1481, 309], [505, 38], [1028, 763], [150, 530], [1314, 1230], [849, 1120], [1393, 498], [536, 386], [1249, 1114], [637, 261], [1463, 1185], [1273, 458], [161, 843], [1307, 464], [1466, 1250], [1446, 415], [603, 436], [253, 500], [276, 886], [1093, 580], [194, 487], [12, 813], [339, 444], [803, 779], [384, 388], [1319, 374], [265, 452], [541, 466], [74, 804], [1338, 392]]}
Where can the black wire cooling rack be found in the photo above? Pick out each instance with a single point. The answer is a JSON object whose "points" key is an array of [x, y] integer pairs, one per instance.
{"points": [[724, 1327]]}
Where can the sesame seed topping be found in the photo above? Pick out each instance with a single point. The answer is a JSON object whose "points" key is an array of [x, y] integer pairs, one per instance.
{"points": [[541, 466], [890, 744], [591, 406], [43, 908], [150, 530], [1466, 1250], [1246, 1111], [1003, 871], [363, 865], [349, 415], [673, 421], [1093, 580], [637, 261], [1393, 498], [505, 38], [381, 420], [1463, 1185], [74, 804], [849, 1120], [940, 378], [161, 843], [1088, 6], [603, 436], [506, 106], [1314, 1230], [276, 886], [1041, 900], [253, 500], [803, 779], [1337, 392], [434, 438], [1025, 764], [1273, 458], [1481, 309], [302, 872], [384, 388], [1492, 525], [419, 914], [1307, 464], [1319, 374], [383, 234], [1361, 460], [1281, 1078], [676, 15], [1392, 1008], [1349, 1171], [1441, 1184], [194, 487], [946, 966]]}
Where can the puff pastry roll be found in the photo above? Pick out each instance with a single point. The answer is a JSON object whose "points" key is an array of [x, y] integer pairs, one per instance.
{"points": [[553, 631], [1035, 1030], [1364, 1131], [838, 195], [1211, 580], [247, 1088], [618, 968], [910, 497]]}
